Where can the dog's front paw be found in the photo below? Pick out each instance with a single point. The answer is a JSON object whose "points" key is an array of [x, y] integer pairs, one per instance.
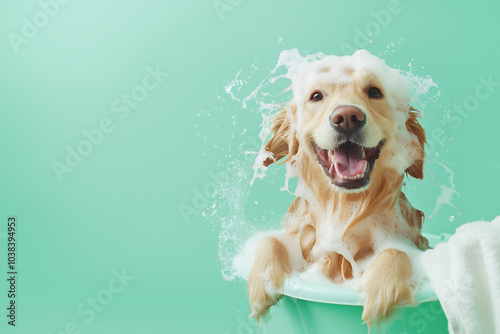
{"points": [[379, 302], [265, 280], [385, 285], [260, 300]]}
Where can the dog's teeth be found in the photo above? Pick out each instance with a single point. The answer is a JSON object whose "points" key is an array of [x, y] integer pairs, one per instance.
{"points": [[355, 177], [330, 155]]}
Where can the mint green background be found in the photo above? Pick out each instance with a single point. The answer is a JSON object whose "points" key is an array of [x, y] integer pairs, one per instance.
{"points": [[120, 207]]}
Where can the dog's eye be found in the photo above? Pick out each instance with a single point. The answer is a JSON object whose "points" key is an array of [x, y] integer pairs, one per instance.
{"points": [[375, 93], [316, 96]]}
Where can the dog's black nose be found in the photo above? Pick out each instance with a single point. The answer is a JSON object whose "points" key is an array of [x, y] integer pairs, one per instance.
{"points": [[347, 119]]}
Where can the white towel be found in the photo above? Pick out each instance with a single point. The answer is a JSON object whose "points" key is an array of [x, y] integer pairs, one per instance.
{"points": [[465, 273]]}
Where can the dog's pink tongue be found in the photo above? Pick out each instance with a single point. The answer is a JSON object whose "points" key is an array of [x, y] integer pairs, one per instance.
{"points": [[348, 160]]}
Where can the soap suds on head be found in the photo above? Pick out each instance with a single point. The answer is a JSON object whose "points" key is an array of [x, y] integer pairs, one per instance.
{"points": [[262, 101]]}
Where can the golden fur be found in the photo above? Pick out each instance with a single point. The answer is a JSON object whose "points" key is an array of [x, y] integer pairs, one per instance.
{"points": [[272, 260], [386, 281], [386, 284]]}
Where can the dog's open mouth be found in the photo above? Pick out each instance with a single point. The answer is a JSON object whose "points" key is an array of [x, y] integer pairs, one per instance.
{"points": [[349, 165]]}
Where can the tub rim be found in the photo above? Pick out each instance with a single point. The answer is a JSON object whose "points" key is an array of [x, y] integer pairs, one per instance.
{"points": [[334, 294]]}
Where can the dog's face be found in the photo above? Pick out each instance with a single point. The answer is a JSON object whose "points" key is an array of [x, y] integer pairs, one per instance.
{"points": [[345, 126], [353, 122]]}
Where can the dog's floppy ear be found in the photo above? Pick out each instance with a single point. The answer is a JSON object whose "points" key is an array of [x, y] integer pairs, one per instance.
{"points": [[284, 141], [417, 168]]}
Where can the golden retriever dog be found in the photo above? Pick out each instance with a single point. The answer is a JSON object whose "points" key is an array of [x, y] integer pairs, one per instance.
{"points": [[350, 136]]}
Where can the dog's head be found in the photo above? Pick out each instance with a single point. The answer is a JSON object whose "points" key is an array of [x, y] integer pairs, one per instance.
{"points": [[351, 119]]}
